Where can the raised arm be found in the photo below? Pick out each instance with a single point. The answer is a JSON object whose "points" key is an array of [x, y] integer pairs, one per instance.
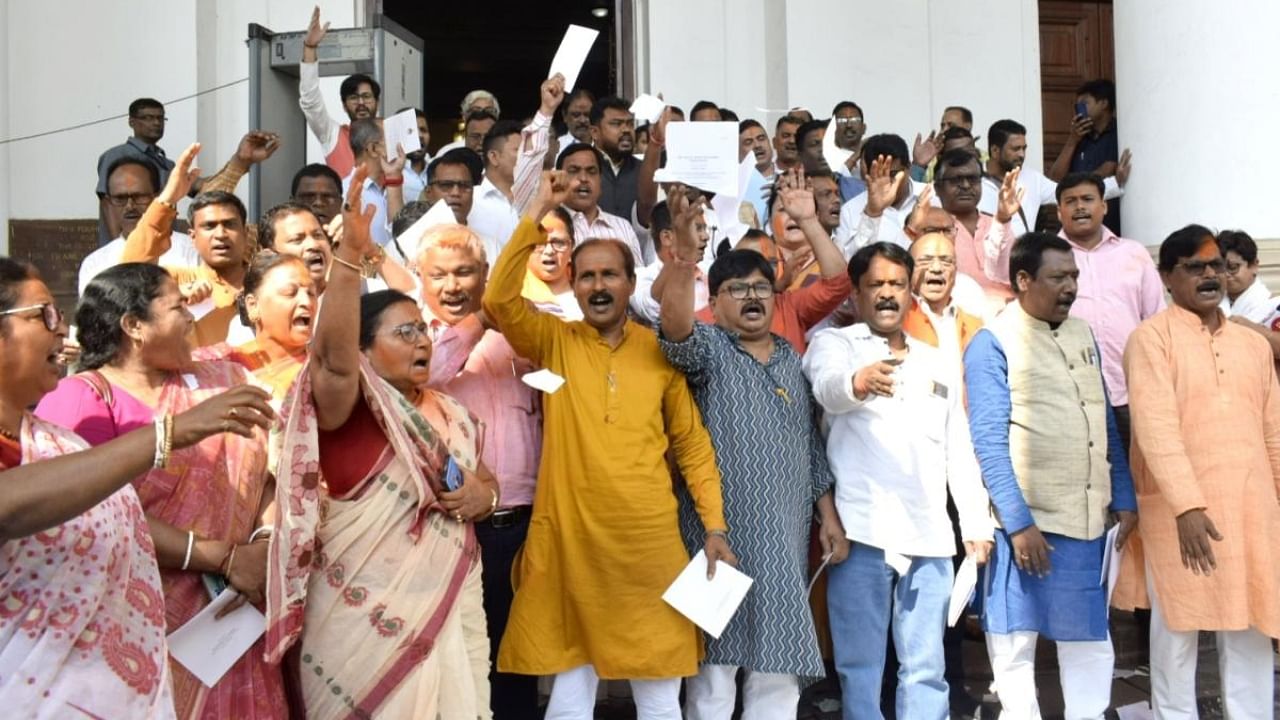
{"points": [[310, 100], [526, 329], [150, 239], [646, 188], [335, 349], [677, 300], [40, 495], [998, 243], [534, 142], [797, 200], [255, 147]]}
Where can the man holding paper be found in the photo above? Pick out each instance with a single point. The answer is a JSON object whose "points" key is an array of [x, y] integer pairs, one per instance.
{"points": [[898, 444], [1206, 458], [1051, 458], [603, 541], [757, 405]]}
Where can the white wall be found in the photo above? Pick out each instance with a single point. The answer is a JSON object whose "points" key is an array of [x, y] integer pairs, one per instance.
{"points": [[105, 58], [901, 61], [1197, 98]]}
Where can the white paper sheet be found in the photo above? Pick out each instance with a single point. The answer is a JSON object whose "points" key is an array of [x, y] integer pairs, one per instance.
{"points": [[1111, 564], [572, 54], [826, 560], [962, 590], [439, 214], [647, 108], [704, 155], [209, 647], [202, 308], [401, 128], [729, 226], [544, 380], [835, 155], [710, 604], [1136, 711]]}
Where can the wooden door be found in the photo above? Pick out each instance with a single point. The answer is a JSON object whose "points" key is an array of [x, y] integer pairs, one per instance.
{"points": [[1077, 44]]}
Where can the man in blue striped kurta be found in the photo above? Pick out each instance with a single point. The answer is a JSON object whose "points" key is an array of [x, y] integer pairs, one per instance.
{"points": [[1052, 461], [756, 405]]}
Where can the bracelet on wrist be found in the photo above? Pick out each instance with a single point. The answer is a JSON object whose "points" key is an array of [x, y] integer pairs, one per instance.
{"points": [[167, 204], [718, 533], [191, 543], [393, 181]]}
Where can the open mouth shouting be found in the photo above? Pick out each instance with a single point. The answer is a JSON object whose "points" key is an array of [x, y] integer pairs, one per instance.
{"points": [[753, 311], [600, 302], [1210, 290]]}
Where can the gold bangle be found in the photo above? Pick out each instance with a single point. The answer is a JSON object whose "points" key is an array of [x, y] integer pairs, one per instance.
{"points": [[168, 204], [353, 266]]}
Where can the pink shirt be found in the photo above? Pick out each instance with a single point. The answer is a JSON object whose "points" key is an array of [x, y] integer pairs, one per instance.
{"points": [[480, 369], [984, 257], [1118, 289]]}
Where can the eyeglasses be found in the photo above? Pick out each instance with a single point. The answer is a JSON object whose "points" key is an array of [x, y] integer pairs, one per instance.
{"points": [[410, 332], [451, 185], [139, 199], [740, 290], [948, 230], [848, 121], [961, 180], [1197, 267], [557, 244], [945, 261], [1234, 267], [362, 98], [50, 313]]}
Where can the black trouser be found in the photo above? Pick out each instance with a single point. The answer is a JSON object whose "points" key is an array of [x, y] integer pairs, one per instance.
{"points": [[512, 697], [1122, 424]]}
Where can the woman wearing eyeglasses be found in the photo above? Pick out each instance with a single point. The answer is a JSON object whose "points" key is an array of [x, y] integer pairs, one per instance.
{"points": [[381, 591], [205, 509], [82, 616]]}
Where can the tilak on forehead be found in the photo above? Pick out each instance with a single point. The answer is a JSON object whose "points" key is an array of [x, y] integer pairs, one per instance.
{"points": [[1207, 249]]}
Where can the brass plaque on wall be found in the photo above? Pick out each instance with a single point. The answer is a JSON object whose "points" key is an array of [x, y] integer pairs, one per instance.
{"points": [[56, 247]]}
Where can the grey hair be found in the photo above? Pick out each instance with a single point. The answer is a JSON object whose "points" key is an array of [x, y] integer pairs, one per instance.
{"points": [[476, 95]]}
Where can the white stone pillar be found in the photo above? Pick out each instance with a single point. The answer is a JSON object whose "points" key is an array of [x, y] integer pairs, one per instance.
{"points": [[1198, 87], [5, 105]]}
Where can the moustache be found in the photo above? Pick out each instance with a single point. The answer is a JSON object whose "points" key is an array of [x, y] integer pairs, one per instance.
{"points": [[1069, 299], [600, 295], [1209, 286], [461, 298], [753, 305], [887, 304]]}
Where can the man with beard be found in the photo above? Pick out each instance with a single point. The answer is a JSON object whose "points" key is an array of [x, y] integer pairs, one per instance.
{"points": [[477, 366], [1206, 461], [935, 318], [784, 143], [613, 134], [575, 112], [453, 177], [1054, 467], [1118, 283], [1007, 143], [582, 165], [415, 170], [878, 213], [359, 93], [603, 541], [131, 186], [739, 371], [898, 444], [753, 139], [218, 232], [982, 242]]}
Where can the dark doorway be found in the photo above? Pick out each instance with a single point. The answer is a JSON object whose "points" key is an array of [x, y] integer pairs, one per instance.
{"points": [[1077, 44], [502, 46]]}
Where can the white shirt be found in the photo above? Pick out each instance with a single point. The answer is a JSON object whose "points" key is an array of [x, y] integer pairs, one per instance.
{"points": [[1037, 190], [895, 458], [181, 253], [857, 230], [316, 113], [606, 225], [1254, 304], [374, 195], [565, 307], [415, 182], [648, 308], [493, 218], [944, 324], [969, 296], [451, 146]]}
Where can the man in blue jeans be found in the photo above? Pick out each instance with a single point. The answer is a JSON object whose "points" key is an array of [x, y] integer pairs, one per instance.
{"points": [[899, 441]]}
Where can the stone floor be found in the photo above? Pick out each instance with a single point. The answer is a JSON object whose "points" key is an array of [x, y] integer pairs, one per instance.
{"points": [[972, 701]]}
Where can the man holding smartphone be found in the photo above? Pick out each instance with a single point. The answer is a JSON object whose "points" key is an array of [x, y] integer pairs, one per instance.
{"points": [[1093, 145]]}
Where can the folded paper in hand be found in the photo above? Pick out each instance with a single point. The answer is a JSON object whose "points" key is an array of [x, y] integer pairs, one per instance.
{"points": [[648, 108], [710, 604], [573, 52], [704, 155], [208, 647], [439, 214], [962, 590], [544, 380], [401, 129]]}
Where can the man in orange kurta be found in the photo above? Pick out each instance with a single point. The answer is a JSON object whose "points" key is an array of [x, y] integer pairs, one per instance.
{"points": [[1206, 462], [604, 541]]}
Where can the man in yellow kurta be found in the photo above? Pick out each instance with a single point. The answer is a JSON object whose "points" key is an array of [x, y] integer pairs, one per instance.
{"points": [[603, 541], [1206, 463]]}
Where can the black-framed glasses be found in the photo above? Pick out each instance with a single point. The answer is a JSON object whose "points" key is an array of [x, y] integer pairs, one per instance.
{"points": [[557, 244], [139, 199], [1197, 267], [410, 332], [961, 180], [740, 290], [49, 312], [364, 97], [1234, 267]]}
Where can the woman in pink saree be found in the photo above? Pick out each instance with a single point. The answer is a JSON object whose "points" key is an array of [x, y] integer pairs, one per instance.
{"points": [[374, 568], [82, 629], [203, 510]]}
